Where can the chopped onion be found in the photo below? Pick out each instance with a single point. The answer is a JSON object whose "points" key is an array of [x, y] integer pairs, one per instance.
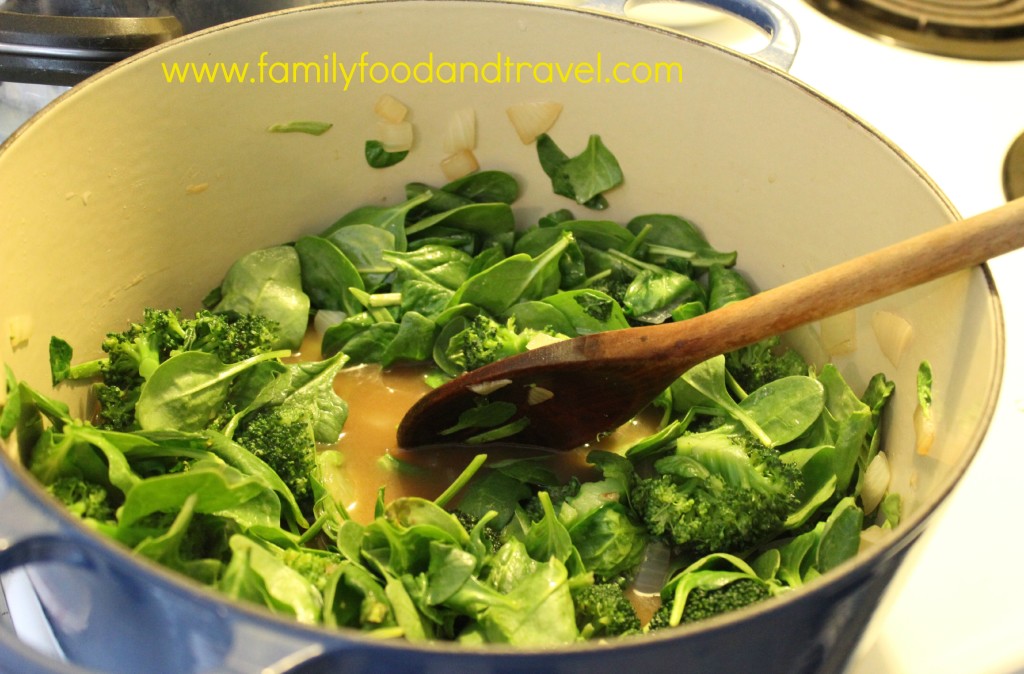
{"points": [[461, 133], [459, 164], [390, 109], [876, 482], [924, 429], [652, 572], [489, 387], [839, 333], [542, 339], [395, 136], [19, 329], [893, 333], [327, 318], [872, 536], [531, 119], [538, 394]]}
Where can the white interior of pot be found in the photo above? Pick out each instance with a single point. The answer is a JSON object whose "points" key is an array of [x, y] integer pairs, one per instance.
{"points": [[133, 191]]}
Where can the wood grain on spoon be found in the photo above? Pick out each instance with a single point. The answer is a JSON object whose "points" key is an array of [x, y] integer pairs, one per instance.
{"points": [[598, 382]]}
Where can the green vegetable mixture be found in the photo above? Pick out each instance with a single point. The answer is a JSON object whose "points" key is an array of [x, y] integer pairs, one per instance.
{"points": [[209, 449]]}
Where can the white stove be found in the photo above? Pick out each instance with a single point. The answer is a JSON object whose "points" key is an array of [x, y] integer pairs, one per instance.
{"points": [[955, 607]]}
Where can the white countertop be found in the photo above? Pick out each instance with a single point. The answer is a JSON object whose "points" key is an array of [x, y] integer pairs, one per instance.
{"points": [[957, 608]]}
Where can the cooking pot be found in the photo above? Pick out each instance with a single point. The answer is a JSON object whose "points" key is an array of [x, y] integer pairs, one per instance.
{"points": [[137, 190]]}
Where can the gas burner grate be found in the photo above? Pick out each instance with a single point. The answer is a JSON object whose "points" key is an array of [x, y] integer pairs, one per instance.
{"points": [[991, 30]]}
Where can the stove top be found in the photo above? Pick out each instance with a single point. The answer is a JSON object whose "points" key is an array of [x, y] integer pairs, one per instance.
{"points": [[976, 29]]}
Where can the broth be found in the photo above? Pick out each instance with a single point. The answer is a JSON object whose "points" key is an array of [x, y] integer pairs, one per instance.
{"points": [[377, 400]]}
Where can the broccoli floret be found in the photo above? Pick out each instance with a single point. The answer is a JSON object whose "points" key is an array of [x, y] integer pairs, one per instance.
{"points": [[283, 438], [702, 604], [484, 341], [491, 537], [231, 337], [133, 355], [314, 565], [602, 610], [718, 493], [558, 493], [85, 499], [754, 366]]}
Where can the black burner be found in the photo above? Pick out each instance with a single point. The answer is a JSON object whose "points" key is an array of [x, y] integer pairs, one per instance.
{"points": [[990, 30]]}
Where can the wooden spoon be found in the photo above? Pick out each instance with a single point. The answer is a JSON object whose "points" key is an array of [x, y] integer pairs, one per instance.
{"points": [[587, 386]]}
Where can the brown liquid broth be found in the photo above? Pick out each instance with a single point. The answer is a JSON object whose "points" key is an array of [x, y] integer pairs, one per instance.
{"points": [[377, 400]]}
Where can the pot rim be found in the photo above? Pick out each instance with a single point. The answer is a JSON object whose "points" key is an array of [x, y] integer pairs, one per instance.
{"points": [[850, 572]]}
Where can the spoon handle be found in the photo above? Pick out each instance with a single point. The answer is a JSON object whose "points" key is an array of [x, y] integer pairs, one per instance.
{"points": [[859, 281]]}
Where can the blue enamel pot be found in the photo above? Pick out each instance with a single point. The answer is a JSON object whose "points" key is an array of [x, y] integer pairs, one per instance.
{"points": [[139, 186]]}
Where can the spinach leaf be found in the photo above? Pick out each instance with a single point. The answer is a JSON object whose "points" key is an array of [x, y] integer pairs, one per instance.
{"points": [[500, 433], [608, 540], [78, 451], [309, 387], [357, 599], [483, 415], [555, 218], [425, 298], [537, 611], [414, 340], [548, 538], [540, 316], [450, 567], [443, 265], [327, 275], [364, 246], [593, 172], [818, 475], [571, 265], [653, 296], [166, 547], [439, 200], [439, 235], [269, 282], [588, 311], [256, 575], [485, 187], [797, 557], [247, 463], [415, 626], [490, 219], [583, 178], [845, 423], [389, 218], [708, 378], [601, 234], [785, 408], [362, 339], [494, 491], [308, 127], [514, 279], [840, 539], [669, 236], [377, 157], [187, 390], [219, 487], [725, 286]]}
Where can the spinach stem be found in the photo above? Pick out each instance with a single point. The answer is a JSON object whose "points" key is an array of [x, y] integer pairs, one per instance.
{"points": [[461, 480]]}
